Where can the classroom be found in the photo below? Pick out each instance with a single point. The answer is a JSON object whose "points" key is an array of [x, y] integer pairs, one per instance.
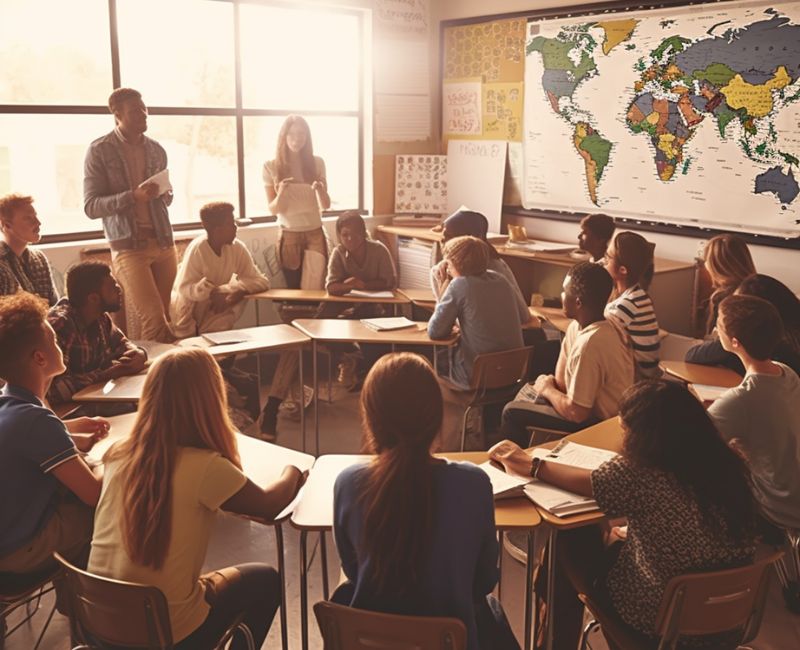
{"points": [[455, 325]]}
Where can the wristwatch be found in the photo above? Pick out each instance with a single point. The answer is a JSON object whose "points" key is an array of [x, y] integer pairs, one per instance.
{"points": [[536, 463]]}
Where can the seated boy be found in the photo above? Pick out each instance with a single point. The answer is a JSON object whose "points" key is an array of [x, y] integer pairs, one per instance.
{"points": [[481, 303], [94, 349], [23, 268], [47, 491], [761, 416], [596, 232], [216, 273], [594, 367]]}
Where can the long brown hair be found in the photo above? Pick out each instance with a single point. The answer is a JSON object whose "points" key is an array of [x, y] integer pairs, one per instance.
{"points": [[667, 429], [183, 405], [401, 407], [728, 262], [282, 166], [635, 253]]}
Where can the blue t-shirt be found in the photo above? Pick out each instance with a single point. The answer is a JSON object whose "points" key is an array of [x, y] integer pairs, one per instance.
{"points": [[462, 566], [32, 442]]}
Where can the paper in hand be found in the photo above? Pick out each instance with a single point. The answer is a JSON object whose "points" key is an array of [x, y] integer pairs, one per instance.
{"points": [[161, 179]]}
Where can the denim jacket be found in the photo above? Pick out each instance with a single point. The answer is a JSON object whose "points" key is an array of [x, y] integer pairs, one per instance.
{"points": [[107, 192]]}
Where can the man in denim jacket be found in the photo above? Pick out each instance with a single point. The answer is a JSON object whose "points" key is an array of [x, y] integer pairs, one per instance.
{"points": [[135, 218]]}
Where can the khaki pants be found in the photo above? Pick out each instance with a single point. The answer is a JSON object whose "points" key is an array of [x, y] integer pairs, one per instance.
{"points": [[292, 245], [147, 276], [285, 375], [68, 531]]}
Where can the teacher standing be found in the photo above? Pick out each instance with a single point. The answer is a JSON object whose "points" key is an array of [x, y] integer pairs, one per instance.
{"points": [[297, 193]]}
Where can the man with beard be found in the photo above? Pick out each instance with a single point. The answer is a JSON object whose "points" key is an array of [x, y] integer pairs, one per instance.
{"points": [[95, 350]]}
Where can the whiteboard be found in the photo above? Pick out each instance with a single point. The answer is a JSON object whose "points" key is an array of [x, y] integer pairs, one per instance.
{"points": [[476, 171]]}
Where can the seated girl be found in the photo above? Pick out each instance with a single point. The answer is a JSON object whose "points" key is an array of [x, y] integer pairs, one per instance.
{"points": [[416, 534], [685, 494], [483, 305], [161, 491]]}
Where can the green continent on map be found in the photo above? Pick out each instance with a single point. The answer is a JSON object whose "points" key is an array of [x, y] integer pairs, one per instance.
{"points": [[595, 152]]}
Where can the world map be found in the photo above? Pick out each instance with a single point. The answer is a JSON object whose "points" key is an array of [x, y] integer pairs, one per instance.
{"points": [[687, 116]]}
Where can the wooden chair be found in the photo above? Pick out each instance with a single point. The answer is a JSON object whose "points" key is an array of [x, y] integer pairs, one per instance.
{"points": [[26, 590], [122, 613], [693, 604], [347, 628], [496, 379]]}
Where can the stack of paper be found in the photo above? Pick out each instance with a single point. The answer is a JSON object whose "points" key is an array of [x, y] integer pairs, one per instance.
{"points": [[359, 293], [387, 324], [226, 338], [504, 485]]}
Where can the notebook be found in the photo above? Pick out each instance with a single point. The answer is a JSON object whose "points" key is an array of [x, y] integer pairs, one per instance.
{"points": [[362, 293], [388, 324], [223, 338], [504, 485]]}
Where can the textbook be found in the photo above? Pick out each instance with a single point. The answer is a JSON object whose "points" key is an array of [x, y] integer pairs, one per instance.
{"points": [[223, 338], [388, 324]]}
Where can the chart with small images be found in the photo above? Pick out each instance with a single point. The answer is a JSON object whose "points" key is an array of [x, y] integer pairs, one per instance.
{"points": [[420, 184]]}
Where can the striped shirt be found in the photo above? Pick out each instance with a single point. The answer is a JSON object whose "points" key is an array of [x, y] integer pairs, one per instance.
{"points": [[633, 311]]}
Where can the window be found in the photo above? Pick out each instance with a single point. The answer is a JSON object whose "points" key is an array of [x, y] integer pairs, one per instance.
{"points": [[218, 77]]}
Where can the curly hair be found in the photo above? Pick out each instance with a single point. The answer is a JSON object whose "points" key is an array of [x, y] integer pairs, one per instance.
{"points": [[22, 315]]}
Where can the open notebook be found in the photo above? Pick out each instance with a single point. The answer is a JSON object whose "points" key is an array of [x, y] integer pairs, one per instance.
{"points": [[387, 324]]}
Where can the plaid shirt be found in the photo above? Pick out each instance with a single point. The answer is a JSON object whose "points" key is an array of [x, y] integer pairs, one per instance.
{"points": [[88, 350], [30, 272]]}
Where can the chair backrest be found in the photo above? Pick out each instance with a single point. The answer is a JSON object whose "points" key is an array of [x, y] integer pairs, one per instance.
{"points": [[707, 603], [116, 612], [500, 369], [347, 628]]}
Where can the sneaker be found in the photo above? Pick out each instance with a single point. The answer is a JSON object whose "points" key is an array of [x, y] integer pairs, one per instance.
{"points": [[290, 408], [348, 370]]}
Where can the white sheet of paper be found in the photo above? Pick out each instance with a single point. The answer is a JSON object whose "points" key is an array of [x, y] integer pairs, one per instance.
{"points": [[575, 455], [363, 293], [502, 481], [161, 179]]}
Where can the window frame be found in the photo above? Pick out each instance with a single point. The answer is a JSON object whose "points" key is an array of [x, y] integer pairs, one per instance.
{"points": [[237, 111]]}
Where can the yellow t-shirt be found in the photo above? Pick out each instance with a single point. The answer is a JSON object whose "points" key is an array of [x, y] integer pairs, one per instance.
{"points": [[202, 482]]}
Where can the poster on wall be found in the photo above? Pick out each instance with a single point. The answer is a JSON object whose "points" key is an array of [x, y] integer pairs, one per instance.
{"points": [[420, 184], [475, 172], [461, 108], [686, 116]]}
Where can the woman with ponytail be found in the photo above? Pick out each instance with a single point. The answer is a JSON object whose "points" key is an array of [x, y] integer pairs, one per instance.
{"points": [[416, 534], [161, 490]]}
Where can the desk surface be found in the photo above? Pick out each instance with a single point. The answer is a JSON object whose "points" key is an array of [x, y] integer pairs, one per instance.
{"points": [[315, 510], [122, 389], [320, 295], [339, 329], [553, 315], [417, 296], [694, 373]]}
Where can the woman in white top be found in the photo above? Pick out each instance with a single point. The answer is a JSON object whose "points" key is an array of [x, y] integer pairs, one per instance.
{"points": [[297, 192], [161, 491]]}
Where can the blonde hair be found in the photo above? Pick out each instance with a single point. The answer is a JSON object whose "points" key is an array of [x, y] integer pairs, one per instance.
{"points": [[728, 262], [468, 255], [183, 405]]}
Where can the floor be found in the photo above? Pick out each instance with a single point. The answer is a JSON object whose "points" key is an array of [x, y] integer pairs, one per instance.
{"points": [[236, 540]]}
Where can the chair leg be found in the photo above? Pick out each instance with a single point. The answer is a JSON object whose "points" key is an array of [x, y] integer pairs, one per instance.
{"points": [[590, 627], [46, 625], [464, 427]]}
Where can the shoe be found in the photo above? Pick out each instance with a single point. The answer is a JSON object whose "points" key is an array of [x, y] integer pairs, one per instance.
{"points": [[268, 422], [289, 408], [516, 545], [348, 370]]}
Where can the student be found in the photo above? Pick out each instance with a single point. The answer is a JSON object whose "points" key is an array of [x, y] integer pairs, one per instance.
{"points": [[47, 491], [761, 416], [95, 350], [596, 232], [481, 303], [297, 191], [23, 268], [135, 218], [629, 262], [216, 273], [685, 495], [162, 489], [416, 534], [727, 260], [711, 352], [464, 223], [594, 368]]}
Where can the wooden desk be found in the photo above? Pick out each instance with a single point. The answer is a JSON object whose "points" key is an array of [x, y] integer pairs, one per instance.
{"points": [[421, 297], [553, 315], [694, 373], [122, 389], [315, 513], [262, 462], [320, 295]]}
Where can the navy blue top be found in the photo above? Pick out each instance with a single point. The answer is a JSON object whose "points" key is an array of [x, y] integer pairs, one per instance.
{"points": [[32, 442], [462, 566]]}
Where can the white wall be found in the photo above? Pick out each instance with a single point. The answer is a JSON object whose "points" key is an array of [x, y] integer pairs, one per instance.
{"points": [[781, 263]]}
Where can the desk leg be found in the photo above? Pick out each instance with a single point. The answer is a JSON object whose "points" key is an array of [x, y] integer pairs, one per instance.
{"points": [[258, 313], [316, 394], [435, 361], [551, 588], [529, 631], [303, 590], [303, 396], [282, 571], [323, 554]]}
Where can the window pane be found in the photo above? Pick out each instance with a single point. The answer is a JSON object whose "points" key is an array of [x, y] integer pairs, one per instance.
{"points": [[335, 140], [44, 155], [295, 59], [177, 53], [54, 52], [201, 152]]}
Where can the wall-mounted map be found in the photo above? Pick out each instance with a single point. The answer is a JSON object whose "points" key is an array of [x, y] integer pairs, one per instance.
{"points": [[686, 115]]}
